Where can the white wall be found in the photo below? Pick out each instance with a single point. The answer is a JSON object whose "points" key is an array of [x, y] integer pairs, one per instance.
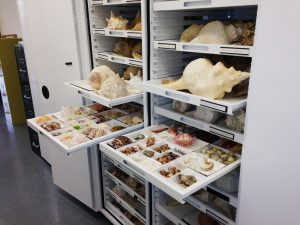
{"points": [[9, 18]]}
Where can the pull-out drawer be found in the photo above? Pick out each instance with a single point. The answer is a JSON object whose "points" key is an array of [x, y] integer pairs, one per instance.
{"points": [[76, 128], [156, 154]]}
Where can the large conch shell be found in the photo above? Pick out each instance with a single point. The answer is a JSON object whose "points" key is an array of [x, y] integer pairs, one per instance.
{"points": [[190, 33], [134, 84], [99, 75], [131, 70], [114, 87], [116, 22], [124, 48], [216, 32], [137, 51], [203, 78], [137, 23]]}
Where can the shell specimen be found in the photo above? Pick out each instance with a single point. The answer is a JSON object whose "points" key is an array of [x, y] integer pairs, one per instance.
{"points": [[114, 87], [121, 141], [181, 107], [124, 48], [237, 121], [186, 180], [216, 32], [247, 37], [131, 70], [116, 22], [190, 33], [99, 75], [134, 84], [137, 51], [137, 23], [207, 115], [184, 140], [202, 78]]}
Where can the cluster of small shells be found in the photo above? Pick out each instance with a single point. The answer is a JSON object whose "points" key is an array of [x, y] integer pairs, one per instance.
{"points": [[247, 37], [218, 155]]}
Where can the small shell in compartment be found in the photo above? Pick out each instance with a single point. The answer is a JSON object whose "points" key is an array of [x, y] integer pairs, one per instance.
{"points": [[169, 172], [129, 108], [138, 137], [92, 132], [132, 119], [167, 157], [43, 119], [72, 139], [158, 129], [218, 154], [113, 113], [101, 119], [187, 178], [150, 140], [149, 153], [98, 107], [120, 142], [62, 131], [82, 120], [80, 126], [115, 125], [162, 147], [51, 125], [129, 150]]}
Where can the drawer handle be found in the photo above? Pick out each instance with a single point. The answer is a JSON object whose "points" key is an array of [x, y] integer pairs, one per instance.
{"points": [[195, 47], [196, 3], [118, 59], [26, 97]]}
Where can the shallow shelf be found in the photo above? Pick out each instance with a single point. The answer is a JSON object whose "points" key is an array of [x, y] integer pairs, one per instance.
{"points": [[227, 105], [121, 2], [232, 50], [232, 199], [167, 111], [152, 175], [117, 33], [110, 56], [199, 4], [84, 89], [115, 211]]}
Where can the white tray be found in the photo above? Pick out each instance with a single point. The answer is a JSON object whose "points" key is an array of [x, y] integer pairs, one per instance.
{"points": [[110, 56], [168, 184], [200, 4], [92, 95], [232, 50], [228, 105]]}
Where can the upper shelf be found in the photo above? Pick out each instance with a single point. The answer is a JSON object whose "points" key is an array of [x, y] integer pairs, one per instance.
{"points": [[67, 129], [110, 56], [117, 33], [199, 4], [114, 2], [232, 50], [186, 159], [227, 105], [86, 91]]}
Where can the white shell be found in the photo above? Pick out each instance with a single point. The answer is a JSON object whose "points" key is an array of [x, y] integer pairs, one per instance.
{"points": [[207, 115], [216, 32], [202, 78], [99, 75], [237, 121], [116, 22], [114, 87], [134, 84]]}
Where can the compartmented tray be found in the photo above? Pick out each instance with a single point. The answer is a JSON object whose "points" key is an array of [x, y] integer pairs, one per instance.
{"points": [[154, 154], [110, 56], [226, 105], [168, 112], [168, 5], [85, 131], [86, 91], [232, 50], [118, 33]]}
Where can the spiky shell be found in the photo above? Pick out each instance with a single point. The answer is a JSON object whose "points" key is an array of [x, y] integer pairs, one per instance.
{"points": [[131, 70], [184, 140], [124, 48], [116, 22], [134, 84], [202, 78], [137, 23]]}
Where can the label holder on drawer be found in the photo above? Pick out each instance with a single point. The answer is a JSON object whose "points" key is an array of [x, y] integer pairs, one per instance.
{"points": [[221, 133]]}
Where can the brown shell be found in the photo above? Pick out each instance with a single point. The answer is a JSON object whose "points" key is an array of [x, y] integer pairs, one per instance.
{"points": [[124, 48], [137, 51]]}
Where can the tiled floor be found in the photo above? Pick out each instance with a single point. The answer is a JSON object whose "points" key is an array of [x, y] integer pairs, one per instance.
{"points": [[27, 193]]}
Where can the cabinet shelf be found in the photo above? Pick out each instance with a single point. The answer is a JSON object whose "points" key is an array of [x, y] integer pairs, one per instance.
{"points": [[83, 89], [232, 50], [110, 56], [167, 111], [200, 4], [114, 2], [227, 105], [118, 33]]}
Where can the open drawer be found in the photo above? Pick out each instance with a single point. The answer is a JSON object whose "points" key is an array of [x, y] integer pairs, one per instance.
{"points": [[155, 154], [76, 128]]}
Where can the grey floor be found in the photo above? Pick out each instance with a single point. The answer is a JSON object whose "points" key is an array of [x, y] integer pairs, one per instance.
{"points": [[27, 193]]}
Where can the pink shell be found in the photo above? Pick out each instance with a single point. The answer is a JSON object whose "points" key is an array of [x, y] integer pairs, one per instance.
{"points": [[184, 139]]}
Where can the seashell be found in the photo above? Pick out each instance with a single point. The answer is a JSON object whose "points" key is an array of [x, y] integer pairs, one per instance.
{"points": [[237, 121], [181, 107], [137, 23], [216, 32], [124, 48], [137, 51], [184, 139], [207, 115], [114, 87], [131, 70], [99, 75], [206, 165], [116, 22], [190, 33], [134, 84], [203, 78]]}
